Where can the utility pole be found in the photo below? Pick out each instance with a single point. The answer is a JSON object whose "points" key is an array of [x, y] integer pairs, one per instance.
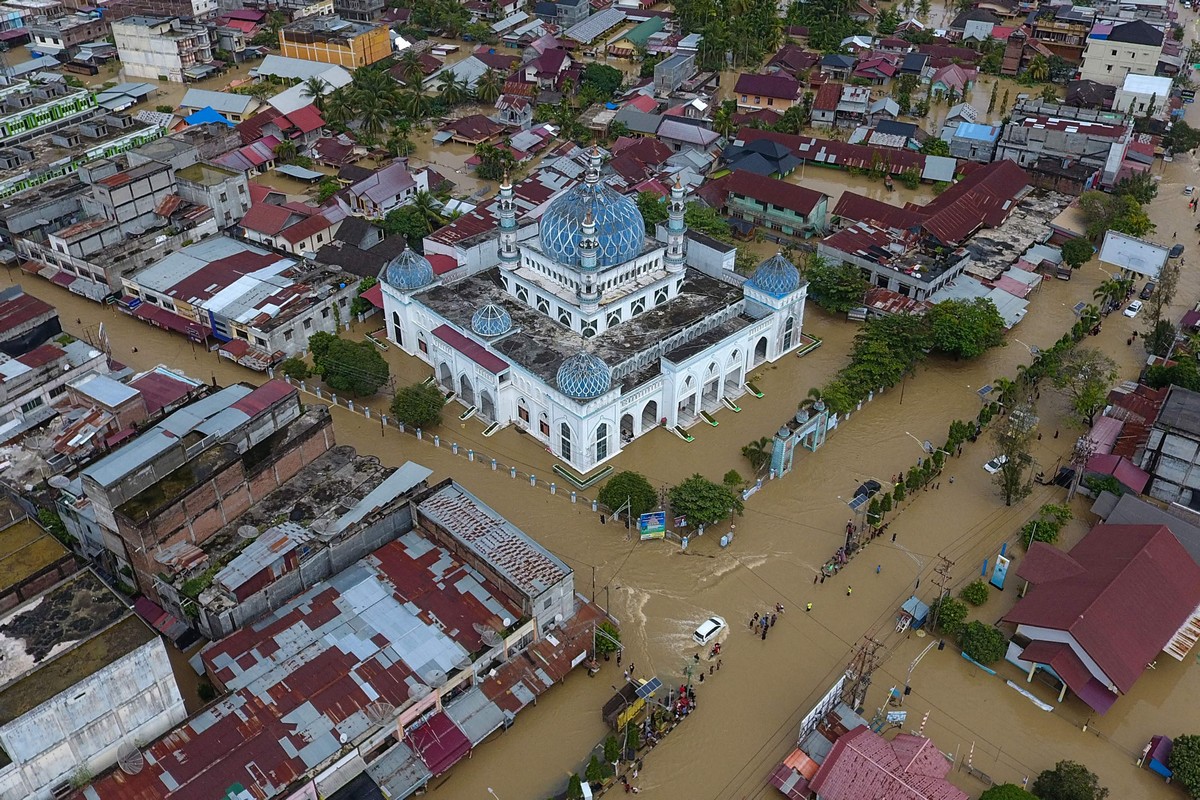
{"points": [[858, 672], [942, 579]]}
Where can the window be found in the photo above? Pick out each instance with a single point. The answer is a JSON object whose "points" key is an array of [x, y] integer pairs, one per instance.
{"points": [[422, 345], [224, 197], [522, 294], [287, 335], [522, 411], [324, 313], [320, 238], [308, 324], [660, 297], [1114, 52], [614, 318], [770, 101], [564, 440], [31, 405], [546, 605], [565, 317], [601, 441], [543, 305], [342, 302], [588, 329], [58, 390]]}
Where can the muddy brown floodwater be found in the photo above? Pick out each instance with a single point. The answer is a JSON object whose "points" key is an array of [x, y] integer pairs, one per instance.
{"points": [[749, 711]]}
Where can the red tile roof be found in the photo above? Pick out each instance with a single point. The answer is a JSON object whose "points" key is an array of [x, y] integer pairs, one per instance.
{"points": [[1121, 593], [267, 219], [202, 284], [768, 190], [21, 309], [306, 119], [860, 208], [472, 350], [828, 97], [777, 85], [985, 197], [298, 232], [441, 263], [160, 391], [864, 766]]}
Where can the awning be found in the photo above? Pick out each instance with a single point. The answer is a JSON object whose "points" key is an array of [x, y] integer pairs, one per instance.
{"points": [[440, 743], [199, 71], [64, 278], [374, 295], [172, 322]]}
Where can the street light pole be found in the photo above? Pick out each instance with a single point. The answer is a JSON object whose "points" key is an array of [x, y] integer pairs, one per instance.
{"points": [[913, 666]]}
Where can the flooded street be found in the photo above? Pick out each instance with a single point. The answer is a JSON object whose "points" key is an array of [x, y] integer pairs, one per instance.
{"points": [[748, 712]]}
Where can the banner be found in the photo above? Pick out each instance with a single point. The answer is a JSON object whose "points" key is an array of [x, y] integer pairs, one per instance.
{"points": [[653, 525]]}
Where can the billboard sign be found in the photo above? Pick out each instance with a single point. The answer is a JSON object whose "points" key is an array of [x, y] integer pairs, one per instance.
{"points": [[653, 525]]}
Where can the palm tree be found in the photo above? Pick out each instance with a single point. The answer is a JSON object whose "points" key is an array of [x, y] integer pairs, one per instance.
{"points": [[414, 104], [286, 151], [450, 88], [373, 115], [489, 86], [411, 69], [315, 88], [1039, 69], [1090, 316], [337, 106], [1005, 390], [428, 207], [723, 120], [758, 453]]}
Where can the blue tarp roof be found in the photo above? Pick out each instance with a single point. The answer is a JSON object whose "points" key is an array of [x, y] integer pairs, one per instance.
{"points": [[983, 133], [205, 116]]}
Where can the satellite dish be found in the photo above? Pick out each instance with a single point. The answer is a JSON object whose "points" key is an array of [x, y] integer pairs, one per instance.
{"points": [[463, 661], [379, 712], [436, 677], [491, 638], [130, 759], [321, 526], [419, 690], [247, 532], [506, 622], [59, 481]]}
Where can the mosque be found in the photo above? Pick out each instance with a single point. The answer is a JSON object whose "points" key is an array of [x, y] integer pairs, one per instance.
{"points": [[591, 334]]}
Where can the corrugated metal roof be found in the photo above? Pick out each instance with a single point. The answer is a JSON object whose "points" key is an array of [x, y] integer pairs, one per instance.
{"points": [[400, 482]]}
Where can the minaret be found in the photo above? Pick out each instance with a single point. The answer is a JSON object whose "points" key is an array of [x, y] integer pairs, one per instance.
{"points": [[510, 257], [676, 230], [592, 176], [589, 257]]}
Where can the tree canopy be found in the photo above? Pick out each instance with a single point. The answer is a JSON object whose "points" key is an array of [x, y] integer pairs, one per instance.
{"points": [[1077, 252], [1085, 375], [1047, 525], [1069, 780], [1006, 791], [603, 79], [631, 486], [935, 147], [836, 288], [983, 643], [418, 405], [1106, 212], [346, 366], [1184, 762], [966, 328], [704, 502], [653, 208], [361, 305], [1181, 137], [950, 614], [1141, 186], [1012, 438]]}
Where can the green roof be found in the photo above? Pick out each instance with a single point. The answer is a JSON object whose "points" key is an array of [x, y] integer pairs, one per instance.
{"points": [[641, 33]]}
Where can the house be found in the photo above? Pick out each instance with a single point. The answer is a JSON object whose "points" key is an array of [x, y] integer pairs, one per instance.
{"points": [[680, 135], [673, 71], [1090, 94], [863, 764], [769, 203], [878, 70], [885, 108], [1063, 29], [778, 91], [546, 70], [1041, 133], [514, 110], [760, 157], [914, 64], [952, 80], [563, 13], [473, 129], [838, 66], [302, 126], [385, 190], [891, 134], [1114, 51], [975, 25], [971, 141], [1171, 454], [292, 228], [1144, 95], [963, 112], [158, 48], [852, 106], [1099, 615], [825, 105], [794, 60]]}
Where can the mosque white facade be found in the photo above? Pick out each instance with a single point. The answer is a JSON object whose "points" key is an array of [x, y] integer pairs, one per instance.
{"points": [[592, 334]]}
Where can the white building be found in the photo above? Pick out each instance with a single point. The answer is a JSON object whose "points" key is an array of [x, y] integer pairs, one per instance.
{"points": [[1131, 48], [1144, 92], [590, 334], [82, 682], [158, 47]]}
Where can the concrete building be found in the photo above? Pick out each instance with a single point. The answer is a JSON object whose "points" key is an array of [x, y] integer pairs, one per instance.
{"points": [[385, 190], [1114, 51], [81, 682], [233, 107], [224, 191], [894, 260], [36, 107], [25, 322], [194, 10], [1133, 257], [261, 306], [163, 47], [671, 72], [56, 35], [359, 10], [777, 92], [457, 606], [332, 40], [30, 383], [1141, 93], [1172, 451], [972, 141], [563, 13], [769, 204], [178, 482], [1052, 134], [1063, 29]]}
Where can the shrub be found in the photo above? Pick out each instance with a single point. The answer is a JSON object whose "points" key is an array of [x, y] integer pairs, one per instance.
{"points": [[595, 770], [418, 405], [1069, 781], [983, 643], [1185, 762], [295, 368], [975, 593], [206, 691], [733, 478], [632, 487], [609, 642], [950, 615]]}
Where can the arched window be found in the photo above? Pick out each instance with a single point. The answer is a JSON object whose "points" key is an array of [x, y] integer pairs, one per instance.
{"points": [[523, 410], [397, 328], [602, 441], [788, 329], [565, 440]]}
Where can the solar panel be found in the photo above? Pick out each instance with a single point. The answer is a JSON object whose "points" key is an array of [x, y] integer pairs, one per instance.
{"points": [[648, 688]]}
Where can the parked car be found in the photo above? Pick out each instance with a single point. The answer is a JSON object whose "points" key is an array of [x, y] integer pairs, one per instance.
{"points": [[867, 489], [1176, 251], [1147, 290], [995, 464], [1132, 309], [708, 630], [1188, 190]]}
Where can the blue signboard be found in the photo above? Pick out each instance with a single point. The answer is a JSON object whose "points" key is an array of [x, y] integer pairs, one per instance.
{"points": [[999, 572]]}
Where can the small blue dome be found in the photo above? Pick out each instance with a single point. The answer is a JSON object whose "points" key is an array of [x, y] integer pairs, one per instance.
{"points": [[409, 270], [491, 320], [584, 376], [776, 276], [620, 229]]}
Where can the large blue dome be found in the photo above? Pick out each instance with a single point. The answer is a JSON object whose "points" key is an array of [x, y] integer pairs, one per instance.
{"points": [[620, 230], [776, 276], [409, 270], [584, 377], [491, 320]]}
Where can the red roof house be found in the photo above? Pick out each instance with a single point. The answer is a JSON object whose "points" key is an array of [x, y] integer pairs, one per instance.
{"points": [[1098, 615], [864, 766]]}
